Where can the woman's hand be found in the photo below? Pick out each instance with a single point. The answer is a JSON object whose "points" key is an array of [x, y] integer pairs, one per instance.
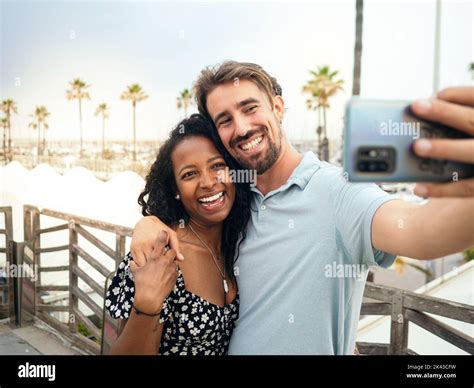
{"points": [[146, 232], [156, 278], [453, 107]]}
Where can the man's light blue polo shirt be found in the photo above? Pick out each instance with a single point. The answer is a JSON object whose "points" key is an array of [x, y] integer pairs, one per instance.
{"points": [[302, 268]]}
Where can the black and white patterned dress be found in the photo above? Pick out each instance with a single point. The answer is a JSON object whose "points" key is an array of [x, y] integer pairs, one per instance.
{"points": [[192, 325]]}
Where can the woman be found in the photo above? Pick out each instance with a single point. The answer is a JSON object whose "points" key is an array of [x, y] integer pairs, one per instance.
{"points": [[190, 308]]}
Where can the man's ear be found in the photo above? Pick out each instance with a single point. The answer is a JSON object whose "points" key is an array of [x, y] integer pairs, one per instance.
{"points": [[279, 107]]}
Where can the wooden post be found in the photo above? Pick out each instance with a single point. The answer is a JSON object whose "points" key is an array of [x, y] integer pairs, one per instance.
{"points": [[8, 229], [26, 224], [36, 244], [119, 249], [399, 327], [6, 291], [73, 283]]}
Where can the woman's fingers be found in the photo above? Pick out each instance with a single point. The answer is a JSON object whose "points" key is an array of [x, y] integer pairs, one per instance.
{"points": [[444, 112], [463, 188], [170, 255], [456, 150], [174, 244], [140, 255], [144, 234]]}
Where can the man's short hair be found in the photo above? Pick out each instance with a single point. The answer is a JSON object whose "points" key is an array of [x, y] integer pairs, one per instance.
{"points": [[232, 71]]}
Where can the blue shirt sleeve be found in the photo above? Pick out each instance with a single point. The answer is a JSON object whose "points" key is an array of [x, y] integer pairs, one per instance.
{"points": [[355, 207]]}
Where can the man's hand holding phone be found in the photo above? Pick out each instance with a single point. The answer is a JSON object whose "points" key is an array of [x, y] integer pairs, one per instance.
{"points": [[453, 107]]}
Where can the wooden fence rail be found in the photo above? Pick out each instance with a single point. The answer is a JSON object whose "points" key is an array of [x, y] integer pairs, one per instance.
{"points": [[7, 232], [404, 307], [77, 296]]}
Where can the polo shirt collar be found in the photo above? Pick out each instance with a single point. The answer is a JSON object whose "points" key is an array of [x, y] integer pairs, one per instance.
{"points": [[301, 174]]}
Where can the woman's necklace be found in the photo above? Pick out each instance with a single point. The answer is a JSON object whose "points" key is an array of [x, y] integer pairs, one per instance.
{"points": [[224, 281]]}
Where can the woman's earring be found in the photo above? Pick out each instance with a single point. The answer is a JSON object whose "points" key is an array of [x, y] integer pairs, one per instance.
{"points": [[177, 197]]}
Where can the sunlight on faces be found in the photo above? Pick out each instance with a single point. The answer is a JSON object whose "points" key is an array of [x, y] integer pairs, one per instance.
{"points": [[248, 123], [197, 166]]}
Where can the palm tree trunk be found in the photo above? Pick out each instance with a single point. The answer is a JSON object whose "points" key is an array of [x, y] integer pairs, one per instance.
{"points": [[358, 48], [325, 153], [44, 141], [5, 144], [39, 142], [324, 122], [9, 139], [319, 115], [103, 136], [134, 134], [80, 127]]}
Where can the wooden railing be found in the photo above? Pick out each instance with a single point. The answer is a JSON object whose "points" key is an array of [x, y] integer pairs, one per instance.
{"points": [[7, 232], [404, 307], [81, 283]]}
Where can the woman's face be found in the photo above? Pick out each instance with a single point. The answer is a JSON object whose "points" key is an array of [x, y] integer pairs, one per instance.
{"points": [[201, 177]]}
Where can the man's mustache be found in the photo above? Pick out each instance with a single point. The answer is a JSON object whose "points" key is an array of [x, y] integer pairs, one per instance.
{"points": [[262, 130]]}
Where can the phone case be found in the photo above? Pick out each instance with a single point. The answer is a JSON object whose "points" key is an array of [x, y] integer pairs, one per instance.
{"points": [[378, 139]]}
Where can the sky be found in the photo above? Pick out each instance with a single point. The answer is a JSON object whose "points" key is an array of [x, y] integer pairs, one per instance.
{"points": [[164, 45]]}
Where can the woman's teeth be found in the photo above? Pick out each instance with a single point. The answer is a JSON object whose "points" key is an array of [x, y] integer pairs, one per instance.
{"points": [[252, 144], [211, 199]]}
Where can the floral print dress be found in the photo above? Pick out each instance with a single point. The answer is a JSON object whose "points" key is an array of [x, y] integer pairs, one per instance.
{"points": [[191, 325]]}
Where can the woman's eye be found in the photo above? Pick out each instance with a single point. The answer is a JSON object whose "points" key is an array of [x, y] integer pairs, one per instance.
{"points": [[187, 175], [219, 165]]}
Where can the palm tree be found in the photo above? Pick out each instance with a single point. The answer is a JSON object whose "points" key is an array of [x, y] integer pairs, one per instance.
{"points": [[77, 93], [184, 100], [312, 104], [400, 264], [321, 87], [4, 125], [8, 107], [40, 114], [358, 47], [103, 110], [135, 94]]}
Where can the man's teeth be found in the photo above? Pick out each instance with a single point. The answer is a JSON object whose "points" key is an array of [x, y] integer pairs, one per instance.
{"points": [[211, 199], [251, 144]]}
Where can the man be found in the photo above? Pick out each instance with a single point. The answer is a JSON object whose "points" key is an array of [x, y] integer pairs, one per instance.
{"points": [[312, 236]]}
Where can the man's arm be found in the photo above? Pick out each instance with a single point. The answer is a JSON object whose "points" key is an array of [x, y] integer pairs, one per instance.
{"points": [[435, 229]]}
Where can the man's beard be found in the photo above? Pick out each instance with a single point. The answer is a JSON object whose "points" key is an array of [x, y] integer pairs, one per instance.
{"points": [[272, 153]]}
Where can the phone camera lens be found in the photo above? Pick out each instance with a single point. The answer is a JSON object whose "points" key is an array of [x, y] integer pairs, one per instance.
{"points": [[362, 166]]}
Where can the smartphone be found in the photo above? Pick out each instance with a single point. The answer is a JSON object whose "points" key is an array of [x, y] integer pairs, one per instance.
{"points": [[378, 144]]}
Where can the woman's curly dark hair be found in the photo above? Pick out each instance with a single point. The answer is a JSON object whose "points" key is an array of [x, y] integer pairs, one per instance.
{"points": [[158, 197]]}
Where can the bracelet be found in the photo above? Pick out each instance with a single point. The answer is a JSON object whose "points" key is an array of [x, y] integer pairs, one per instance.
{"points": [[148, 315]]}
